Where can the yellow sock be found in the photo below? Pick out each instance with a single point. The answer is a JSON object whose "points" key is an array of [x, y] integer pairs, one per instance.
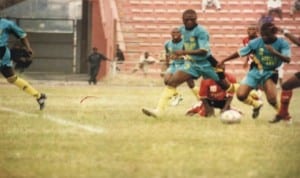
{"points": [[233, 87], [25, 86], [195, 91], [165, 97], [252, 102], [255, 94]]}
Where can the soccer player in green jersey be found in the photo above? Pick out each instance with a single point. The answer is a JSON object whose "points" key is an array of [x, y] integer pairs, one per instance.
{"points": [[269, 52], [8, 28], [174, 63]]}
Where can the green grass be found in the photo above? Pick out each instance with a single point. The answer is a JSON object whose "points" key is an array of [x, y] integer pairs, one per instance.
{"points": [[36, 144]]}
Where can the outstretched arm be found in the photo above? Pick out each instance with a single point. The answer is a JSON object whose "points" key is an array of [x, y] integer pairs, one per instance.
{"points": [[229, 58], [291, 37]]}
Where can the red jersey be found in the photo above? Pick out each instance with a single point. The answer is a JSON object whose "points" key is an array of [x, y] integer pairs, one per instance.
{"points": [[211, 90], [246, 41]]}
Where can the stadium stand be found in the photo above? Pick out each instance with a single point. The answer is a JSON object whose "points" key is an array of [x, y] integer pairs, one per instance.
{"points": [[146, 25]]}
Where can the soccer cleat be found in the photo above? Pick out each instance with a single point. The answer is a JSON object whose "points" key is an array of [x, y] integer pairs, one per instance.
{"points": [[255, 112], [41, 101], [150, 112], [288, 121], [278, 118], [176, 100]]}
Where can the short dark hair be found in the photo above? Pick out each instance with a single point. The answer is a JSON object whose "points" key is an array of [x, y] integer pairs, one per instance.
{"points": [[189, 11]]}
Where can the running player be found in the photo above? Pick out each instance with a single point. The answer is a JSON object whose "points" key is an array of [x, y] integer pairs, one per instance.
{"points": [[7, 28], [287, 88], [198, 61], [269, 53], [174, 63]]}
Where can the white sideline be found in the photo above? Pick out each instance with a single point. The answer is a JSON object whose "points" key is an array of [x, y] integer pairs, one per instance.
{"points": [[57, 120]]}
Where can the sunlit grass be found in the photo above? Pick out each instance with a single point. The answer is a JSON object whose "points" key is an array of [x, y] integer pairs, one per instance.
{"points": [[133, 145]]}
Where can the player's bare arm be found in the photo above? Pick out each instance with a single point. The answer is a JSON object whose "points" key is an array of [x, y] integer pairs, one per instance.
{"points": [[229, 58], [26, 43], [278, 54], [290, 36]]}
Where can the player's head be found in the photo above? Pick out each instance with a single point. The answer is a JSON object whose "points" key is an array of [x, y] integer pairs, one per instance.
{"points": [[176, 35], [252, 31], [189, 18], [146, 54], [95, 49], [268, 33]]}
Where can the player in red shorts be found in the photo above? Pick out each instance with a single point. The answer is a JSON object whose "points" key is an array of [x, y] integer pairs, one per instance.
{"points": [[287, 88], [212, 96]]}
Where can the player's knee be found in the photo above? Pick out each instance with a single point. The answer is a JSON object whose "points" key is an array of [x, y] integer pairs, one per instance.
{"points": [[12, 79]]}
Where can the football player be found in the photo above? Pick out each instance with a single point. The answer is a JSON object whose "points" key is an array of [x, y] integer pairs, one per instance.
{"points": [[287, 88], [269, 53], [7, 28], [174, 62]]}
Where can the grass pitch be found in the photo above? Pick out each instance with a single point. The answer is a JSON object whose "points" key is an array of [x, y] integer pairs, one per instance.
{"points": [[107, 136]]}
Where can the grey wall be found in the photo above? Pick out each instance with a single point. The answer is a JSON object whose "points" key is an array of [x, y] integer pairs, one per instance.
{"points": [[53, 52]]}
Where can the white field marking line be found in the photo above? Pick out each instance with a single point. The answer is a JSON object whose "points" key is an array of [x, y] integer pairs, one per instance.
{"points": [[57, 120]]}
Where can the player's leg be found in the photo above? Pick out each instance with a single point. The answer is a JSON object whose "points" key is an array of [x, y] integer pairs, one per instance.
{"points": [[176, 98], [167, 77], [12, 78], [248, 84], [177, 79], [285, 98], [95, 74], [204, 108], [243, 95], [193, 87], [170, 90], [271, 93], [92, 68]]}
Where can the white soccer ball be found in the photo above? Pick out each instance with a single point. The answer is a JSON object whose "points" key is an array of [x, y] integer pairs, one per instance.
{"points": [[231, 116]]}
